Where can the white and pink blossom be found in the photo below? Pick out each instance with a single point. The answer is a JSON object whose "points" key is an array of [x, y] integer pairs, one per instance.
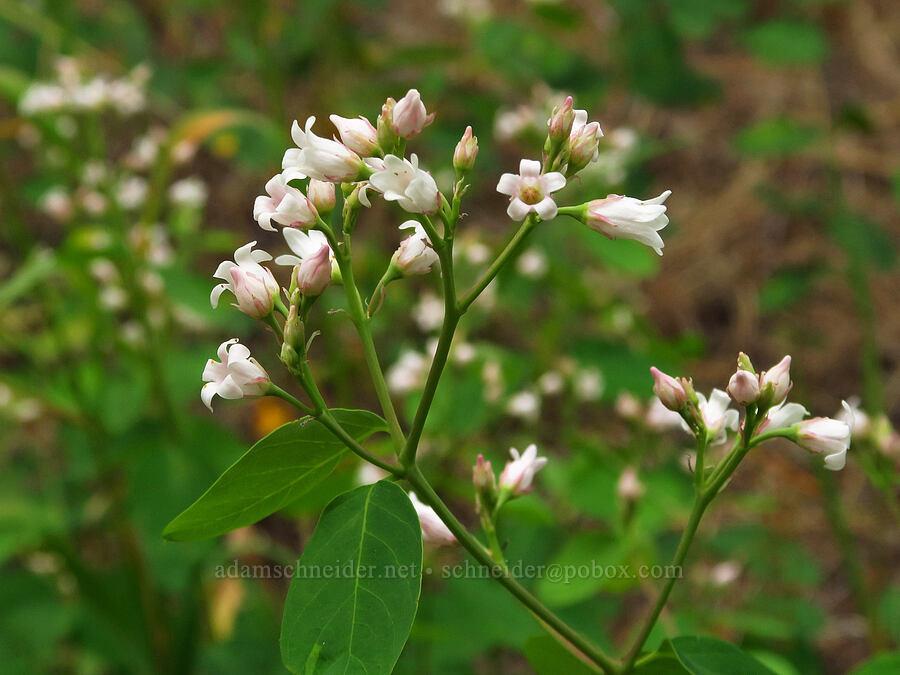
{"points": [[252, 285], [410, 116], [357, 134], [433, 529], [319, 158], [284, 205], [829, 437], [519, 473], [238, 375], [402, 181], [629, 218], [530, 190]]}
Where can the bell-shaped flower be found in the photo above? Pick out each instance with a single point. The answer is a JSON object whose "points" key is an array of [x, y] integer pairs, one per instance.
{"points": [[630, 218], [313, 275], [319, 158], [410, 116], [253, 286], [433, 529], [357, 134], [829, 437], [402, 181], [529, 190], [284, 205], [518, 474], [415, 255], [236, 375], [717, 418]]}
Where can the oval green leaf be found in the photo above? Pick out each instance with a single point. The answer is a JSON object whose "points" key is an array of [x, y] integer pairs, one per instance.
{"points": [[709, 656], [270, 475], [355, 590]]}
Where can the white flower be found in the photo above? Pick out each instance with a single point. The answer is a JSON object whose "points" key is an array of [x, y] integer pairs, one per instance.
{"points": [[319, 158], [525, 405], [529, 190], [359, 135], [253, 286], [189, 192], [589, 384], [56, 202], [743, 387], [433, 529], [131, 192], [402, 181], [584, 142], [410, 116], [629, 487], [519, 473], [630, 218], [238, 375], [782, 416], [42, 98], [415, 255], [408, 373], [551, 383], [855, 415], [532, 263], [660, 418], [717, 418], [284, 205], [829, 437], [429, 312], [305, 245]]}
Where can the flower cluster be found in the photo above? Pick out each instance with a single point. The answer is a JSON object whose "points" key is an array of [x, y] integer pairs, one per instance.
{"points": [[72, 92], [763, 396], [365, 158]]}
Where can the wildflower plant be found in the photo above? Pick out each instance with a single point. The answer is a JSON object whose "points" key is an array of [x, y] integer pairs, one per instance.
{"points": [[359, 620]]}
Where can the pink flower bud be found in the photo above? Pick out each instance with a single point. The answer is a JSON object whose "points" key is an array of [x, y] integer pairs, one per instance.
{"points": [[313, 275], [483, 476], [409, 115], [357, 134], [321, 194], [669, 390], [743, 387], [583, 146], [466, 151], [776, 382], [561, 120]]}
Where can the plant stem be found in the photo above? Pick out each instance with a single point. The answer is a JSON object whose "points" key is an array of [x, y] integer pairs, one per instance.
{"points": [[335, 428], [503, 576], [275, 390], [687, 538], [363, 329], [511, 248]]}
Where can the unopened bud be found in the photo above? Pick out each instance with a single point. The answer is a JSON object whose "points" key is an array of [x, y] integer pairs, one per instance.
{"points": [[313, 275], [321, 194], [743, 387], [409, 115], [483, 475], [744, 363], [669, 390], [583, 147], [465, 153], [561, 120], [775, 383], [387, 137]]}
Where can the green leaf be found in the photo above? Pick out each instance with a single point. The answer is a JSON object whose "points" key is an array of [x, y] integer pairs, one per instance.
{"points": [[270, 475], [354, 595], [709, 656], [548, 657], [883, 664], [788, 43]]}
